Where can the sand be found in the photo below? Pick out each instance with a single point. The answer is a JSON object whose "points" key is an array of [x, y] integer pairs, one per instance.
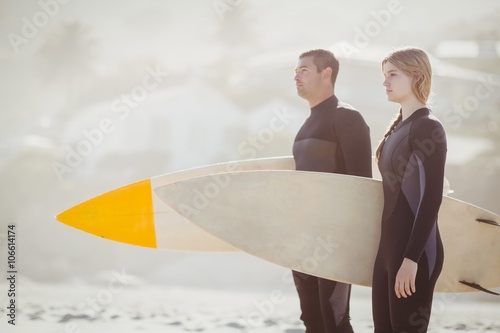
{"points": [[77, 307]]}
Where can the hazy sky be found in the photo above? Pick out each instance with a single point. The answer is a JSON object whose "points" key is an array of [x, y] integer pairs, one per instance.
{"points": [[171, 27]]}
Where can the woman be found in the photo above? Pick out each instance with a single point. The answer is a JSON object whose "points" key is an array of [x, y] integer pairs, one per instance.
{"points": [[411, 159]]}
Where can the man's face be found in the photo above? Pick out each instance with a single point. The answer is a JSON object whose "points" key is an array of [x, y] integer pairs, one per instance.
{"points": [[307, 78]]}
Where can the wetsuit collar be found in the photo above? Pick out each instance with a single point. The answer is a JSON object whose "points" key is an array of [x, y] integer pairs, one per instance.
{"points": [[328, 104], [422, 112]]}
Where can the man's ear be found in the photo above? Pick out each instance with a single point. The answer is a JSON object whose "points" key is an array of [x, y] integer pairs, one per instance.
{"points": [[327, 73]]}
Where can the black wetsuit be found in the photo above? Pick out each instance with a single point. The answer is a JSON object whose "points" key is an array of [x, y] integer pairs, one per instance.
{"points": [[412, 166], [335, 138]]}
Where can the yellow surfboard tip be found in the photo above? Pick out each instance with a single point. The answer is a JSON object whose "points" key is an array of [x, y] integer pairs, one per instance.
{"points": [[125, 215]]}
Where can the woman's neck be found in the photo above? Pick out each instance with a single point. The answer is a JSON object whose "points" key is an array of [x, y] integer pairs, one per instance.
{"points": [[408, 107]]}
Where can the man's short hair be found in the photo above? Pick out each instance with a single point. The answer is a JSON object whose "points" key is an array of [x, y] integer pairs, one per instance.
{"points": [[323, 59]]}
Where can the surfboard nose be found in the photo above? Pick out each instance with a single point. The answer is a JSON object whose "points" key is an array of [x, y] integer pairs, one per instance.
{"points": [[125, 215]]}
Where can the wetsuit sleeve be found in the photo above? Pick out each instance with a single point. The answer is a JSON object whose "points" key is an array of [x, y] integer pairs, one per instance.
{"points": [[354, 140], [428, 143]]}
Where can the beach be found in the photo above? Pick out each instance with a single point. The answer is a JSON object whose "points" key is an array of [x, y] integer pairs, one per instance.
{"points": [[99, 95], [125, 305]]}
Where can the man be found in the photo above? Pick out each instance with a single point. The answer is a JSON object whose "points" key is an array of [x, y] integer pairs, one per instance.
{"points": [[335, 138]]}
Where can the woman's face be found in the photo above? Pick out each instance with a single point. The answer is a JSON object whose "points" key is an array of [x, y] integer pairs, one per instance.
{"points": [[398, 85]]}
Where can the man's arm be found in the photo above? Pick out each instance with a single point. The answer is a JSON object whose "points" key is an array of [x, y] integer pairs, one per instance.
{"points": [[354, 138]]}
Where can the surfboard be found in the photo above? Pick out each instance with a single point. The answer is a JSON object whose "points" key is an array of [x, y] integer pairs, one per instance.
{"points": [[134, 214], [328, 225]]}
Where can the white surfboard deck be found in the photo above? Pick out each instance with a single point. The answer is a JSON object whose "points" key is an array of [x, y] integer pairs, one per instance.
{"points": [[328, 225], [174, 232]]}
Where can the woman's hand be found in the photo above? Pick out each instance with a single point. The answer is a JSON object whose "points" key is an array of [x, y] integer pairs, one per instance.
{"points": [[405, 279]]}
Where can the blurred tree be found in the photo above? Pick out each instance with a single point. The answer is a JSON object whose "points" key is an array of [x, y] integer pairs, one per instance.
{"points": [[65, 59], [237, 36]]}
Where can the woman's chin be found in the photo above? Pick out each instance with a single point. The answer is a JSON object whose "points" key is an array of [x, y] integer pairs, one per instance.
{"points": [[393, 100]]}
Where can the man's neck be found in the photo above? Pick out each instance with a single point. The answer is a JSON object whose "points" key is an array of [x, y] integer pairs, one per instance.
{"points": [[321, 97]]}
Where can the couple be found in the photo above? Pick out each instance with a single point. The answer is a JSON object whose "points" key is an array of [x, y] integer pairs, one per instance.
{"points": [[335, 138]]}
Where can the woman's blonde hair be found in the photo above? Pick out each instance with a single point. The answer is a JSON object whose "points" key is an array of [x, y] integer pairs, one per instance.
{"points": [[415, 63]]}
